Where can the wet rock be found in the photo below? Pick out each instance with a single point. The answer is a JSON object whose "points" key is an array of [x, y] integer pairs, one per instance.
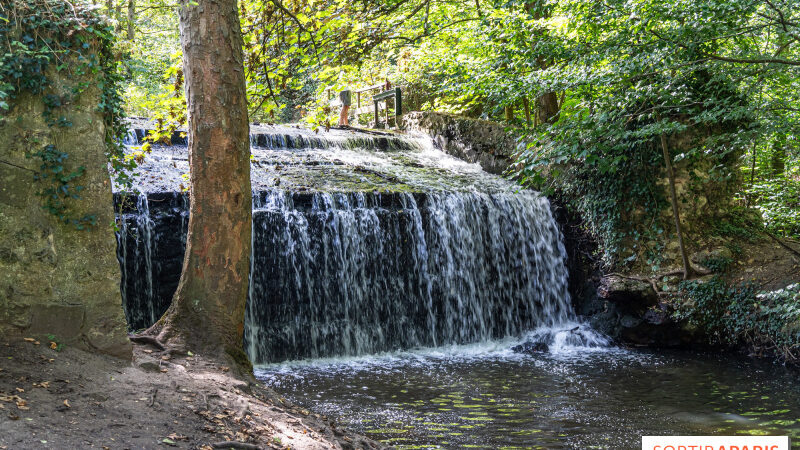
{"points": [[531, 348], [655, 328], [630, 294], [632, 313]]}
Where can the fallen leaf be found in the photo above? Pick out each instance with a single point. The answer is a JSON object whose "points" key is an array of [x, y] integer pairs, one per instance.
{"points": [[225, 368], [36, 343], [66, 403], [20, 390], [169, 442], [29, 339], [53, 345]]}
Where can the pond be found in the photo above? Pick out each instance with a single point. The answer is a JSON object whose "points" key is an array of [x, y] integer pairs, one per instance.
{"points": [[485, 396]]}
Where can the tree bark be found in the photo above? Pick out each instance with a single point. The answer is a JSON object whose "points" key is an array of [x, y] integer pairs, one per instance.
{"points": [[131, 18], [118, 16], [207, 311], [777, 161], [546, 104], [527, 105], [687, 268], [508, 113]]}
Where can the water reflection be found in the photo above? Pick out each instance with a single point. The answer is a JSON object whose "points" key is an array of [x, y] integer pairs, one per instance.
{"points": [[473, 397]]}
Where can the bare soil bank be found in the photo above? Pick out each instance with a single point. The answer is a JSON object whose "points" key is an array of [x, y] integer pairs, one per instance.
{"points": [[66, 398]]}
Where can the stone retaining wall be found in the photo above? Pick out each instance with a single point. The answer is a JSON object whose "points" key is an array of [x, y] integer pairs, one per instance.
{"points": [[55, 279], [473, 140]]}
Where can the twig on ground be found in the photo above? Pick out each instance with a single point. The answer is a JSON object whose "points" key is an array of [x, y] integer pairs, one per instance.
{"points": [[153, 397]]}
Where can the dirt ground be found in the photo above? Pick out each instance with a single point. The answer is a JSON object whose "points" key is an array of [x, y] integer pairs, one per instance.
{"points": [[768, 263], [65, 398]]}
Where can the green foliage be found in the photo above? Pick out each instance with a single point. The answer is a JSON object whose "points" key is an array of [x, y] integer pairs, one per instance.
{"points": [[767, 322], [778, 201], [717, 264], [54, 340], [45, 37], [59, 189], [739, 225]]}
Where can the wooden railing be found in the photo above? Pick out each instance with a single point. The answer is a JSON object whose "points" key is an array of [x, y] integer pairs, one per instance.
{"points": [[380, 95]]}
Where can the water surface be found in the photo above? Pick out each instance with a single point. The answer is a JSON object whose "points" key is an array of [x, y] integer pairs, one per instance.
{"points": [[484, 396]]}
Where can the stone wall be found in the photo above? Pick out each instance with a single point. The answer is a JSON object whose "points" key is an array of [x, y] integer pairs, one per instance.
{"points": [[55, 279], [473, 140]]}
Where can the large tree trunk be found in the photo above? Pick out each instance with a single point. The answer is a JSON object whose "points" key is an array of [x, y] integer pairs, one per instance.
{"points": [[207, 311]]}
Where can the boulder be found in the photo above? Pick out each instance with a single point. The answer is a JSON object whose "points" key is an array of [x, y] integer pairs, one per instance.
{"points": [[531, 347], [628, 293]]}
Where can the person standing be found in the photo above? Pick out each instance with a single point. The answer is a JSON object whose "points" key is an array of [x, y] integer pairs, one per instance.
{"points": [[345, 98]]}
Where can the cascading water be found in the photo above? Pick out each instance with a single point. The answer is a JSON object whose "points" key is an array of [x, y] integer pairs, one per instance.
{"points": [[367, 244], [150, 246]]}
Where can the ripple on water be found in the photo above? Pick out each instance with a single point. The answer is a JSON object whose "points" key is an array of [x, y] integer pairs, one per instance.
{"points": [[486, 396]]}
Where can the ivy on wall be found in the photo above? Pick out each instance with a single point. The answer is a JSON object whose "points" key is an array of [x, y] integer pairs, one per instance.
{"points": [[56, 50], [767, 323]]}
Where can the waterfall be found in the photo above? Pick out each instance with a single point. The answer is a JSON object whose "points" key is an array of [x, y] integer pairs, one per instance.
{"points": [[151, 240], [359, 271], [362, 273], [137, 282]]}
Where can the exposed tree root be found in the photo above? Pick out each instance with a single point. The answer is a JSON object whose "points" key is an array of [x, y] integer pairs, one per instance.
{"points": [[783, 244], [653, 280], [146, 340], [235, 445]]}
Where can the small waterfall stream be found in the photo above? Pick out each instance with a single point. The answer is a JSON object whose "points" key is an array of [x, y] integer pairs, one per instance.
{"points": [[359, 270]]}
